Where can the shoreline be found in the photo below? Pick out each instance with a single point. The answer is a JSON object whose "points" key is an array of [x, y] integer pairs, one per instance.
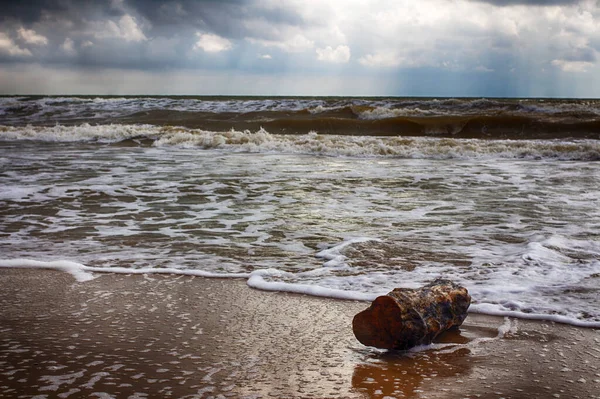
{"points": [[128, 336], [255, 280]]}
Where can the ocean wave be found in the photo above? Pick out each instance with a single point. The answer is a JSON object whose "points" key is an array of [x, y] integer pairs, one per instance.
{"points": [[386, 113], [355, 120], [354, 114], [80, 133], [311, 143]]}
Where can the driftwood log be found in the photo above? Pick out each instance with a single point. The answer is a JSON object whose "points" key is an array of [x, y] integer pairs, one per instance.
{"points": [[409, 317]]}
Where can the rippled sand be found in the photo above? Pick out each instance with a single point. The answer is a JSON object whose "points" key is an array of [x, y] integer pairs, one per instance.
{"points": [[156, 336]]}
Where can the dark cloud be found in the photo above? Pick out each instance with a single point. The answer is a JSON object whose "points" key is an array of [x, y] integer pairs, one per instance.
{"points": [[214, 16], [227, 18], [32, 11], [92, 34]]}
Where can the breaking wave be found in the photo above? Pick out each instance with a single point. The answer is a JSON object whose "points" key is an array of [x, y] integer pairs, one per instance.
{"points": [[451, 117], [314, 143]]}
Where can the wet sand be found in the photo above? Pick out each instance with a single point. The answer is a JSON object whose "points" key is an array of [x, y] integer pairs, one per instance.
{"points": [[136, 336]]}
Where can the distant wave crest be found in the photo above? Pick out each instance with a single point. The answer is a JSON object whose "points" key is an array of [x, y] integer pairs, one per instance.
{"points": [[447, 117]]}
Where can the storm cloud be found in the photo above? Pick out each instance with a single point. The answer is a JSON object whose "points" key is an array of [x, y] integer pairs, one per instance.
{"points": [[400, 47]]}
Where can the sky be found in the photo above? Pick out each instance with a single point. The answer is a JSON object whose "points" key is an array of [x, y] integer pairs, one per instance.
{"points": [[450, 48]]}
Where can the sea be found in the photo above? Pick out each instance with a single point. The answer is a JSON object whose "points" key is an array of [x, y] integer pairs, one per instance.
{"points": [[341, 197]]}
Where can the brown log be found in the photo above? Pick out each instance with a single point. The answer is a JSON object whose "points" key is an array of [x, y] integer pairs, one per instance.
{"points": [[409, 317]]}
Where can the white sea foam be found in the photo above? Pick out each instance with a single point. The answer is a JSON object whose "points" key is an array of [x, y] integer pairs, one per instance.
{"points": [[495, 310], [17, 193], [520, 235], [84, 273], [262, 141], [81, 133], [334, 256], [77, 270], [386, 112], [505, 328], [320, 109], [259, 279]]}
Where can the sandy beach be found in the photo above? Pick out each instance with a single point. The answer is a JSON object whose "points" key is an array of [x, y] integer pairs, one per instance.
{"points": [[154, 336], [197, 198]]}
